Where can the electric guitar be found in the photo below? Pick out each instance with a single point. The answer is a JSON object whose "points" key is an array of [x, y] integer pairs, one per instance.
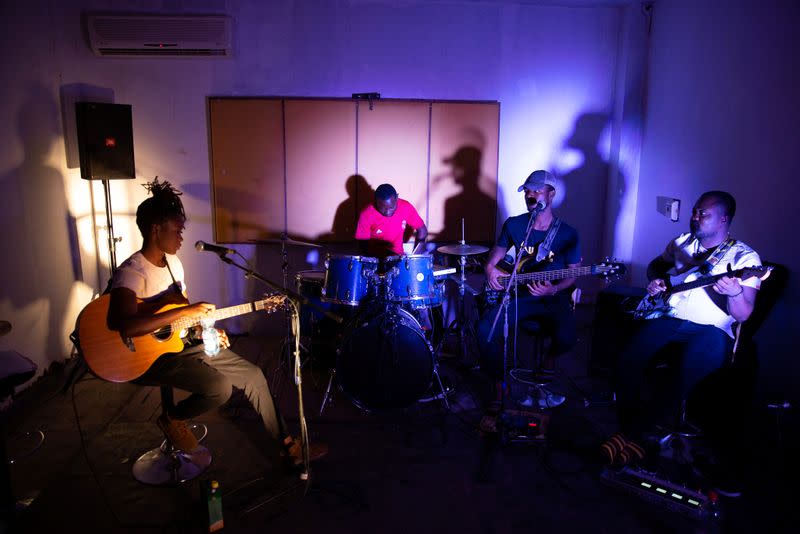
{"points": [[117, 359], [606, 269], [654, 306]]}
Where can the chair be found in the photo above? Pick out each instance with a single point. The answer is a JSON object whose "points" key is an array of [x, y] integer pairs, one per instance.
{"points": [[167, 466], [15, 370], [539, 333], [733, 385]]}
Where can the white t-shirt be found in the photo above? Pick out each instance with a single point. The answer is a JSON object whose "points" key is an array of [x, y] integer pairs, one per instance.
{"points": [[703, 305], [146, 280]]}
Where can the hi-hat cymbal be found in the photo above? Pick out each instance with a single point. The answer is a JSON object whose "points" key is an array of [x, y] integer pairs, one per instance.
{"points": [[462, 250], [288, 241], [5, 328]]}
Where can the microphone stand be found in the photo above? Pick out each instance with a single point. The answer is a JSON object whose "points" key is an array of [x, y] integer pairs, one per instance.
{"points": [[503, 308], [295, 300]]}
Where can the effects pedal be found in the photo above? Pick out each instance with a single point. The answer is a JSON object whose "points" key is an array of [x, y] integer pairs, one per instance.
{"points": [[663, 493], [524, 426]]}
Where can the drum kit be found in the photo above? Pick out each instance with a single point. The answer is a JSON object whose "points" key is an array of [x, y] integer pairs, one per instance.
{"points": [[386, 348]]}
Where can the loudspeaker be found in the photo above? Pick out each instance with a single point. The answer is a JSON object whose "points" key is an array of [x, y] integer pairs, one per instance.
{"points": [[105, 141], [613, 326]]}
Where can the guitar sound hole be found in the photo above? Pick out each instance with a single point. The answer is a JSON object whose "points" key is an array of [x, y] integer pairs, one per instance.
{"points": [[163, 334]]}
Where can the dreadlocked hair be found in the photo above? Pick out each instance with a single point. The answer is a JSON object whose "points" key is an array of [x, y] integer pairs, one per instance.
{"points": [[164, 204]]}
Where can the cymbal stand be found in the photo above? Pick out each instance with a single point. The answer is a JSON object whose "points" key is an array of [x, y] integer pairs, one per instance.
{"points": [[463, 328]]}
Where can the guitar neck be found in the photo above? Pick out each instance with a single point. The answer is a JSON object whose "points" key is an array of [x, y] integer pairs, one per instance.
{"points": [[557, 274], [703, 281], [219, 314]]}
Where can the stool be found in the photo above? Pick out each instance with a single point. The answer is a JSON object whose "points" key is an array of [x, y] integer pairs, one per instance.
{"points": [[15, 370], [532, 376], [167, 466], [674, 441]]}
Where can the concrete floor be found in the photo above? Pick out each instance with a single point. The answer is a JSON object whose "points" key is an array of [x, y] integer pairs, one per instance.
{"points": [[427, 470]]}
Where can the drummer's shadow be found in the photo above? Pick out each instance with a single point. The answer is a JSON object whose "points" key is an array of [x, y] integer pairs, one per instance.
{"points": [[345, 218]]}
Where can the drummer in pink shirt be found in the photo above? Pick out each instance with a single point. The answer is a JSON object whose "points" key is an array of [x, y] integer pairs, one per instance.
{"points": [[381, 227]]}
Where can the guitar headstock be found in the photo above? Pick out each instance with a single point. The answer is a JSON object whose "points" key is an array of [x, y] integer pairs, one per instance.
{"points": [[609, 268], [759, 271], [271, 302]]}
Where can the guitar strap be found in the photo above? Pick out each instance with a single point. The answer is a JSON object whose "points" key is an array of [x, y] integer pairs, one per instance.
{"points": [[190, 336], [175, 285], [544, 248], [717, 255]]}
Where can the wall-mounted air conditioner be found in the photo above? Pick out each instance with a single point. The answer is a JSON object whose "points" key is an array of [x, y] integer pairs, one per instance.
{"points": [[156, 35]]}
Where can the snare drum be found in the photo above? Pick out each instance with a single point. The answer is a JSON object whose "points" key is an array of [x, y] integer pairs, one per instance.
{"points": [[348, 279], [323, 332], [309, 284], [430, 302], [410, 278]]}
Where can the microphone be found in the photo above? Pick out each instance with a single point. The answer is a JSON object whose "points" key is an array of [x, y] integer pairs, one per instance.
{"points": [[216, 249], [538, 207]]}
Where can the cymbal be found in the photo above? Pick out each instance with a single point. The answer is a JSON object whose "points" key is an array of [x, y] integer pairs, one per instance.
{"points": [[462, 250], [5, 328], [288, 241]]}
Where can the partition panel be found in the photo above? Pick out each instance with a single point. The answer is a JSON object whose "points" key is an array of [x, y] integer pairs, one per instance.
{"points": [[464, 158], [247, 171], [320, 169], [393, 148], [308, 166]]}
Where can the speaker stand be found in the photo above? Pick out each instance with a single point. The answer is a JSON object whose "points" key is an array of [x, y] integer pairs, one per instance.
{"points": [[112, 240]]}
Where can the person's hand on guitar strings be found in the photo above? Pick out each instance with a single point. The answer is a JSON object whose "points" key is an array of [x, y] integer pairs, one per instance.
{"points": [[656, 286], [728, 286], [492, 275], [544, 288], [198, 310]]}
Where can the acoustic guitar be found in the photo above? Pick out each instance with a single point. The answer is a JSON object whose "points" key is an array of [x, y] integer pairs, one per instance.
{"points": [[117, 359]]}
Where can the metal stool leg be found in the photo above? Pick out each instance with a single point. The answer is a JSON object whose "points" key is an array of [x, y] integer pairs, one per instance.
{"points": [[445, 402]]}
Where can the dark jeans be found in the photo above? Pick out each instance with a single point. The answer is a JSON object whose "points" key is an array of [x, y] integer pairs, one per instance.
{"points": [[210, 381], [555, 314], [704, 349]]}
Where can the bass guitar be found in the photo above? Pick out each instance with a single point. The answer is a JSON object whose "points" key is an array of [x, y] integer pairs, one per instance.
{"points": [[112, 357], [654, 306], [607, 269]]}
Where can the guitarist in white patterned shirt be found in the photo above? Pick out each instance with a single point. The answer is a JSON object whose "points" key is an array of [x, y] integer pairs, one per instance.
{"points": [[152, 278], [546, 301], [700, 319]]}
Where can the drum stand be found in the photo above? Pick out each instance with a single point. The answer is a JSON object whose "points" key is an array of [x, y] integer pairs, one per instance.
{"points": [[286, 348], [460, 326], [441, 395], [467, 338], [327, 396]]}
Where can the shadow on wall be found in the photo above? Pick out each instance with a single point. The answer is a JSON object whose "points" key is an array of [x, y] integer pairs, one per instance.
{"points": [[359, 195], [471, 203], [39, 234], [584, 205]]}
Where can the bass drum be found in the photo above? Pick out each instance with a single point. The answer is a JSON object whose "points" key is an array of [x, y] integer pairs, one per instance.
{"points": [[385, 362]]}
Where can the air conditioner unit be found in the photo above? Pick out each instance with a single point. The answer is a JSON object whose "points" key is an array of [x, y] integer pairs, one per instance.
{"points": [[155, 35]]}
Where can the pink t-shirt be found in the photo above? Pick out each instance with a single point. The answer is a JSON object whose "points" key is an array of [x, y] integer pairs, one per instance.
{"points": [[383, 232]]}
